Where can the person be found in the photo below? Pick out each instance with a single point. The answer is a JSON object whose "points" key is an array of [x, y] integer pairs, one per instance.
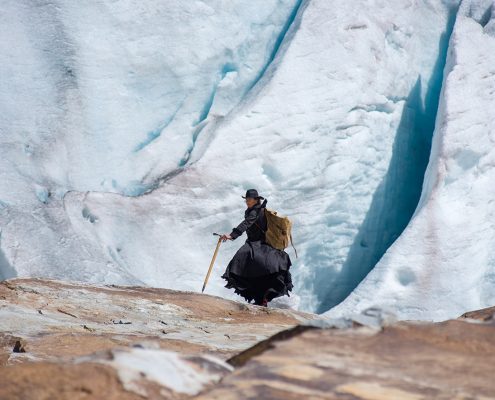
{"points": [[257, 271]]}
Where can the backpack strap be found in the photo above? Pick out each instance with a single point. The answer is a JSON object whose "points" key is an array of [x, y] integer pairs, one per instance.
{"points": [[259, 227], [292, 244], [262, 210]]}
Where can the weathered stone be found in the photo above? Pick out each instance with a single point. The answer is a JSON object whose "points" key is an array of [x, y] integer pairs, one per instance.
{"points": [[88, 342], [64, 340], [60, 381], [451, 360], [485, 314], [63, 320], [19, 346], [7, 344]]}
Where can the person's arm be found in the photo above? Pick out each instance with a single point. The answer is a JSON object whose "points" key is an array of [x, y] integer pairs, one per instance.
{"points": [[244, 225]]}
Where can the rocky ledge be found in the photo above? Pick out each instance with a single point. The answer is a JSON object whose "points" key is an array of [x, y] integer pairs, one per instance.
{"points": [[62, 340]]}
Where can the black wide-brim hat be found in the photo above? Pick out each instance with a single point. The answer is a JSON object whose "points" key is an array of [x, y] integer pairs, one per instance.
{"points": [[253, 194]]}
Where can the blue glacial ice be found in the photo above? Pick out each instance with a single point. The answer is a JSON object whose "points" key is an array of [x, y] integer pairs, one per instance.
{"points": [[149, 120]]}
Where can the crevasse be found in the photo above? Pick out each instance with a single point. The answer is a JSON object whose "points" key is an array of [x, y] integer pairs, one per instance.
{"points": [[397, 196]]}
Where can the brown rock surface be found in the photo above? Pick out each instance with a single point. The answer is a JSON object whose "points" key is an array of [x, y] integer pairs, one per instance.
{"points": [[50, 381], [62, 340], [407, 361], [485, 314], [59, 319]]}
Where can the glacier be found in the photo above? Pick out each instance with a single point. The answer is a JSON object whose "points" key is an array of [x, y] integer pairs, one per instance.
{"points": [[130, 129], [443, 263], [111, 95]]}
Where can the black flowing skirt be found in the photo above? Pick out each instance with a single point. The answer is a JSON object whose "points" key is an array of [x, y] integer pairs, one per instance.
{"points": [[259, 271]]}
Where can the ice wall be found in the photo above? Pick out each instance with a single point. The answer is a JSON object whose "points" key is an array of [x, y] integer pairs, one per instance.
{"points": [[443, 264], [111, 95], [319, 135]]}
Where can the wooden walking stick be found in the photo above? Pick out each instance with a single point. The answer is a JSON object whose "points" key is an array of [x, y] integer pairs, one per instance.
{"points": [[212, 261]]}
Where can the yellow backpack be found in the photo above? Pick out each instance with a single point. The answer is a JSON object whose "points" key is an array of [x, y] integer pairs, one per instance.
{"points": [[279, 231]]}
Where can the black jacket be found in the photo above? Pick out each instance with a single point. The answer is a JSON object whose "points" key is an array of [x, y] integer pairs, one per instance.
{"points": [[254, 224]]}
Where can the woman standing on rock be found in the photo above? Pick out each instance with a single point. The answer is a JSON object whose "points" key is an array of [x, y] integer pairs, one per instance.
{"points": [[258, 271]]}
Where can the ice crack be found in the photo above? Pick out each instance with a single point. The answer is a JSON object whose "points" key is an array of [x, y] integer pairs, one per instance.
{"points": [[397, 196]]}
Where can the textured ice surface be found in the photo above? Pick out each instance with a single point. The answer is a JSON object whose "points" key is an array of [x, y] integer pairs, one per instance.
{"points": [[327, 108], [111, 95], [443, 264], [319, 154]]}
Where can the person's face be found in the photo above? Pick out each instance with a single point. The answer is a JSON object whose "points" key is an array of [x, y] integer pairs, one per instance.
{"points": [[250, 202]]}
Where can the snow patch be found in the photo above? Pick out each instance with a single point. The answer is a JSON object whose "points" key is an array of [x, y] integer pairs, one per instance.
{"points": [[181, 374]]}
